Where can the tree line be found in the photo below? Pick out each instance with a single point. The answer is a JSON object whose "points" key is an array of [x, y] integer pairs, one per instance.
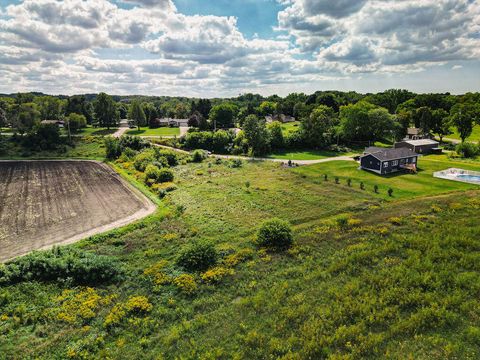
{"points": [[326, 117]]}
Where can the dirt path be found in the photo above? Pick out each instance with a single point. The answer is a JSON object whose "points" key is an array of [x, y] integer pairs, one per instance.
{"points": [[48, 203], [122, 129]]}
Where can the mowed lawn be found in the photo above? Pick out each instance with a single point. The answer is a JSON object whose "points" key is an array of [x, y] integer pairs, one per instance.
{"points": [[404, 185], [474, 137], [94, 131], [305, 154], [162, 131], [288, 128]]}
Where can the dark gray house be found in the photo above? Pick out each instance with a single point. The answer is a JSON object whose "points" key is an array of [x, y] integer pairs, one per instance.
{"points": [[422, 146], [384, 161]]}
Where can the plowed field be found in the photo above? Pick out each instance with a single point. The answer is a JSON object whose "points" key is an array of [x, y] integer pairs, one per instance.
{"points": [[44, 203]]}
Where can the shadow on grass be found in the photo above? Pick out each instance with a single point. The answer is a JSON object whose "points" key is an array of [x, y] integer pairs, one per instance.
{"points": [[104, 132]]}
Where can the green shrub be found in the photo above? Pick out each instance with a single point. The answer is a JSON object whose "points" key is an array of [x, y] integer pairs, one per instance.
{"points": [[235, 163], [275, 233], [170, 156], [133, 142], [198, 156], [198, 256], [143, 159], [112, 148], [467, 150], [342, 222], [165, 175], [152, 172], [83, 268]]}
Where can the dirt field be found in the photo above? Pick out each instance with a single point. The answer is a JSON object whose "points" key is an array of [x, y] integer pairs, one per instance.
{"points": [[44, 203]]}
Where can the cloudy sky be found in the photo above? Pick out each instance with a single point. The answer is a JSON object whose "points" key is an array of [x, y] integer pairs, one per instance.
{"points": [[224, 48]]}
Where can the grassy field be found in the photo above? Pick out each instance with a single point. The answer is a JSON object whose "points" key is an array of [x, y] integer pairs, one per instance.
{"points": [[305, 155], [474, 137], [395, 282], [92, 131], [88, 147], [162, 131], [6, 130], [288, 128]]}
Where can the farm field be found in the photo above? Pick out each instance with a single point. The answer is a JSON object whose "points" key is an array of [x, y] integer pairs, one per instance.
{"points": [[394, 282], [46, 203], [161, 131]]}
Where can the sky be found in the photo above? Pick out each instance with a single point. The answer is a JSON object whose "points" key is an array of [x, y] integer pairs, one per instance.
{"points": [[223, 48]]}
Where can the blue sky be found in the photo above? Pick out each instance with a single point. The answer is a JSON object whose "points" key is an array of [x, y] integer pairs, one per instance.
{"points": [[254, 16], [224, 48]]}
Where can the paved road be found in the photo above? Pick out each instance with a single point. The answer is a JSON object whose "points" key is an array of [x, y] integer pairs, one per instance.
{"points": [[121, 129], [299, 162]]}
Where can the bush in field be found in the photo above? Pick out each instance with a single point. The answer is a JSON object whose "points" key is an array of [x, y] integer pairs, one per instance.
{"points": [[152, 172], [170, 156], [43, 137], [115, 147], [165, 175], [83, 268], [198, 256], [198, 156], [143, 159], [468, 150], [133, 142], [112, 148], [275, 233], [235, 163]]}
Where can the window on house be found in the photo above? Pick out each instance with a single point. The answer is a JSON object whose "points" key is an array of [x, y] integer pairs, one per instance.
{"points": [[414, 160], [395, 163], [385, 164]]}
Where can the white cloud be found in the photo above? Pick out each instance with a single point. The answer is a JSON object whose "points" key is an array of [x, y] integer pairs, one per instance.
{"points": [[379, 35], [95, 45]]}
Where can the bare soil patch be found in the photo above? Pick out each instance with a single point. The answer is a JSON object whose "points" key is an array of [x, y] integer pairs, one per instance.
{"points": [[46, 203]]}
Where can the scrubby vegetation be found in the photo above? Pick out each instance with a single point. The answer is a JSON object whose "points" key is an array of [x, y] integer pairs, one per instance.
{"points": [[364, 278], [275, 234], [65, 265]]}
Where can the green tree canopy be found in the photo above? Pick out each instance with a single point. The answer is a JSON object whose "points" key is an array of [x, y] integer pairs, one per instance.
{"points": [[75, 122], [105, 111], [462, 116], [276, 135], [223, 115], [137, 114], [256, 134], [317, 129], [28, 117]]}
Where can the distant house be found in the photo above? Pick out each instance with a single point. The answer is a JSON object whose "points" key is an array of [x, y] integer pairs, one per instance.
{"points": [[416, 134], [421, 146], [282, 118], [59, 123], [171, 122], [384, 161]]}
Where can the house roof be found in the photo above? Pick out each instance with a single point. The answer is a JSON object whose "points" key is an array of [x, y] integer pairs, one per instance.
{"points": [[421, 142], [383, 154], [414, 131]]}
